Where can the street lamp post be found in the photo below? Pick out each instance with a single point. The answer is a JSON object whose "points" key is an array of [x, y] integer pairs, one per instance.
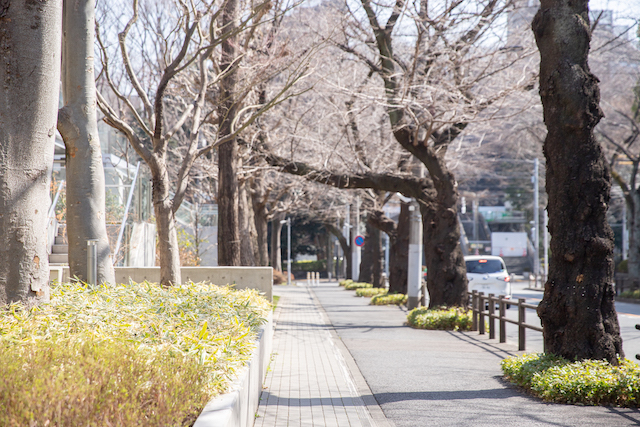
{"points": [[288, 222]]}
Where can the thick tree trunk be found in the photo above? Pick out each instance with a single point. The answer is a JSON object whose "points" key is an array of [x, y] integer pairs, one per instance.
{"points": [[166, 225], [247, 228], [229, 252], [77, 123], [399, 253], [276, 250], [262, 234], [446, 273], [371, 263], [577, 311], [329, 250], [30, 39], [344, 244], [258, 201]]}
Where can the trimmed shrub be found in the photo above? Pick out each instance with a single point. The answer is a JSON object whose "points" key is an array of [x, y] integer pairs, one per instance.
{"points": [[631, 294], [389, 299], [357, 285], [370, 292], [320, 265], [587, 382], [443, 319], [135, 354], [345, 282]]}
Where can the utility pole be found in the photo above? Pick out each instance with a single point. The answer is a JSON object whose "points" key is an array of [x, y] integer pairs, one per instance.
{"points": [[536, 222], [625, 232], [347, 235], [355, 249], [414, 275]]}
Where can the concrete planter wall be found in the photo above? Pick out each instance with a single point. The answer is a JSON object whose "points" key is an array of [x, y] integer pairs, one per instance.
{"points": [[238, 407]]}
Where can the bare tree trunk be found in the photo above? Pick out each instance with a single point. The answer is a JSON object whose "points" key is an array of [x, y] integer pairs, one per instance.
{"points": [[262, 231], [77, 123], [247, 228], [329, 250], [30, 36], [399, 253], [228, 230], [577, 311], [276, 250], [261, 220], [346, 248], [166, 225], [371, 264], [446, 278]]}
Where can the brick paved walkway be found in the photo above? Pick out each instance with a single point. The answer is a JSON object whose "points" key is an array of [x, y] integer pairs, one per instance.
{"points": [[309, 382]]}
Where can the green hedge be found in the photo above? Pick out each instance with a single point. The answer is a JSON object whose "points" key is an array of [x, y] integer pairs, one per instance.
{"points": [[444, 319], [587, 382], [357, 285], [320, 265], [389, 299], [136, 354], [370, 292]]}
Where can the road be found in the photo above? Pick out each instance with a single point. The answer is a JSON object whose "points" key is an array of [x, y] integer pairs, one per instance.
{"points": [[628, 317]]}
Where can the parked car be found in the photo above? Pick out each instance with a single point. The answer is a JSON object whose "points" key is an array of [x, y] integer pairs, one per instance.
{"points": [[488, 274]]}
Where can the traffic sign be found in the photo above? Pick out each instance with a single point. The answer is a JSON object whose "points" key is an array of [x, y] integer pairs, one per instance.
{"points": [[359, 240]]}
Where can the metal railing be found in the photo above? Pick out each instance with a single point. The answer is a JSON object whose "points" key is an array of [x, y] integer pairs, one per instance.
{"points": [[52, 221], [126, 213], [484, 308]]}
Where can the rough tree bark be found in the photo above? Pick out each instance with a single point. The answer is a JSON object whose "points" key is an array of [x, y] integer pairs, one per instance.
{"points": [[276, 248], [259, 197], [344, 244], [247, 227], [371, 264], [229, 252], [77, 123], [30, 39], [398, 247], [577, 311]]}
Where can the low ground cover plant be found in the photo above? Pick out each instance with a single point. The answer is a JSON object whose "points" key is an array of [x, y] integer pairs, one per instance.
{"points": [[370, 292], [389, 299], [443, 319], [587, 382], [122, 355], [631, 294], [357, 285], [345, 282]]}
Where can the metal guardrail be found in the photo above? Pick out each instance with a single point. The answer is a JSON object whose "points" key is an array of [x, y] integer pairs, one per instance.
{"points": [[478, 303], [52, 221], [126, 213]]}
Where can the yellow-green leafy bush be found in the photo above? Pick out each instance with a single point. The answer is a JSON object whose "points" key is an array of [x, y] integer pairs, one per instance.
{"points": [[443, 319], [389, 299], [631, 294], [345, 282], [589, 382], [122, 355], [357, 285], [370, 292]]}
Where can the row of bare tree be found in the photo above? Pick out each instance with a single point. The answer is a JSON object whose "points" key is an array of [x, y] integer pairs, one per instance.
{"points": [[379, 98]]}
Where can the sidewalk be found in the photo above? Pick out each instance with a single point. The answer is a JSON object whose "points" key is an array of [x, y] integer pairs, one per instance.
{"points": [[312, 380]]}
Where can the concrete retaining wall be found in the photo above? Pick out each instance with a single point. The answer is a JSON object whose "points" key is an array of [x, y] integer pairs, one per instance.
{"points": [[260, 278], [238, 407]]}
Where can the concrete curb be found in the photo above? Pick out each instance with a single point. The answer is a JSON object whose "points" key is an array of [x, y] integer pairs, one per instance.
{"points": [[238, 407]]}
